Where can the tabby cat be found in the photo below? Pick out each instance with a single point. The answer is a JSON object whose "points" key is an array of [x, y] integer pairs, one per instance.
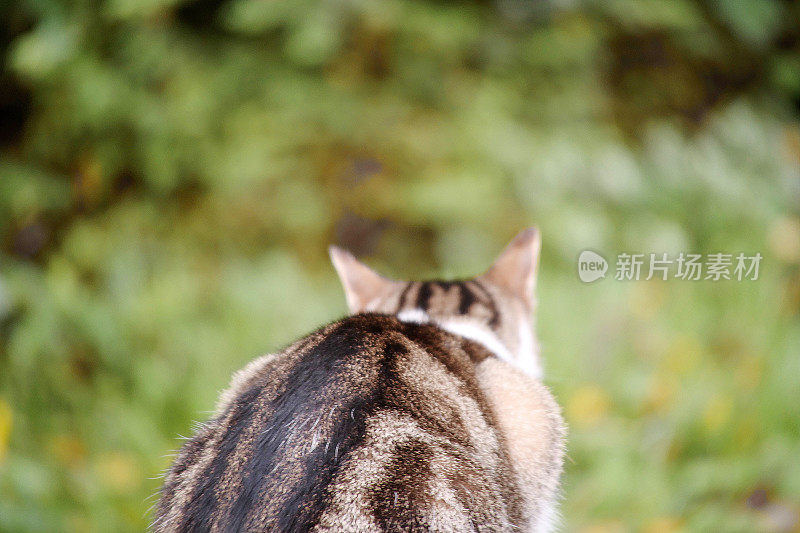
{"points": [[422, 411]]}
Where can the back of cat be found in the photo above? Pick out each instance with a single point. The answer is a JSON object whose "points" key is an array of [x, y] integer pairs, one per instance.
{"points": [[421, 412]]}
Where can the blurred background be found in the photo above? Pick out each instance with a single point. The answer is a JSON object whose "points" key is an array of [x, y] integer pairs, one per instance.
{"points": [[171, 173]]}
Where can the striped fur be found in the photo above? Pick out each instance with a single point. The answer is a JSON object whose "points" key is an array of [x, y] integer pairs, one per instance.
{"points": [[374, 423]]}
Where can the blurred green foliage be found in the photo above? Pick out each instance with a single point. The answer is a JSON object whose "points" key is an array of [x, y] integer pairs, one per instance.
{"points": [[171, 173]]}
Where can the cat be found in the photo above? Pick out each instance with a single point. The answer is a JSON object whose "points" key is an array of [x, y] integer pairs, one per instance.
{"points": [[421, 411]]}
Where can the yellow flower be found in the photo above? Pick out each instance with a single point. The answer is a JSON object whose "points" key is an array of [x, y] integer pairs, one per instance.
{"points": [[119, 472], [749, 372], [784, 239], [717, 412], [68, 450], [664, 524], [683, 355], [6, 417], [748, 430], [647, 298], [588, 406], [661, 394]]}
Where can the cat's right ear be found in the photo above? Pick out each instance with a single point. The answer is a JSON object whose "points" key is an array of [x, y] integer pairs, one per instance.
{"points": [[362, 285]]}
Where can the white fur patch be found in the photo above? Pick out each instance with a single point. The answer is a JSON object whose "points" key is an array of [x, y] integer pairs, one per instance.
{"points": [[528, 352], [548, 519], [414, 316], [480, 335]]}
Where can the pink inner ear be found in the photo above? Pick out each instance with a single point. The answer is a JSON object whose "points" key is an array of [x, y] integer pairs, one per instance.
{"points": [[515, 269], [361, 284]]}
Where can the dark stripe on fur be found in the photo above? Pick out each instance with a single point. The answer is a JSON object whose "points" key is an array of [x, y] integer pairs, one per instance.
{"points": [[424, 295], [466, 298], [204, 501], [311, 374], [189, 455], [401, 301], [431, 339], [396, 501], [488, 301]]}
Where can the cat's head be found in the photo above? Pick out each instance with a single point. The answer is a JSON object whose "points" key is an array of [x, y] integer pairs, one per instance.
{"points": [[493, 308]]}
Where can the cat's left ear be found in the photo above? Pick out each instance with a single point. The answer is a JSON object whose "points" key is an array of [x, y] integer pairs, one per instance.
{"points": [[516, 268], [362, 285]]}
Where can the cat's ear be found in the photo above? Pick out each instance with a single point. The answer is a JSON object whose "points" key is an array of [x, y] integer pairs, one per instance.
{"points": [[361, 284], [515, 270]]}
